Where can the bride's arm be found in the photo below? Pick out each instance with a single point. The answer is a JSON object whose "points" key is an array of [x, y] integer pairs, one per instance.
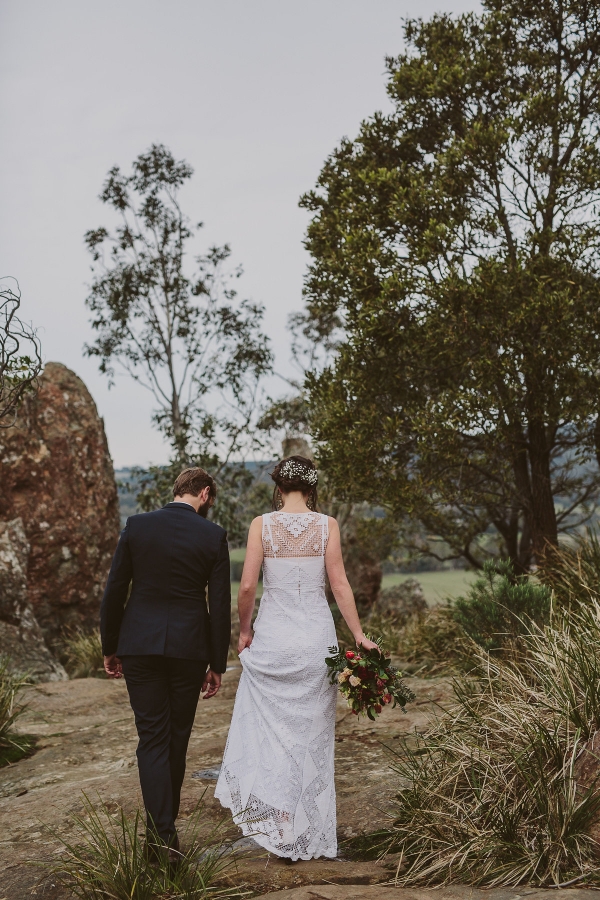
{"points": [[247, 591], [341, 587]]}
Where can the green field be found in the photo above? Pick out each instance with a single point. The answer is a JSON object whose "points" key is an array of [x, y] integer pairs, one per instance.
{"points": [[237, 555], [436, 585]]}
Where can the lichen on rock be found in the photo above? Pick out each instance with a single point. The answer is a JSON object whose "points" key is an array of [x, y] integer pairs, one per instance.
{"points": [[57, 477], [21, 637]]}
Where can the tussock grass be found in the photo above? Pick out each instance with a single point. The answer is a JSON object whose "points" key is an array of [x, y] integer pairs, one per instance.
{"points": [[435, 641], [106, 860], [491, 793], [573, 572], [12, 746], [82, 654]]}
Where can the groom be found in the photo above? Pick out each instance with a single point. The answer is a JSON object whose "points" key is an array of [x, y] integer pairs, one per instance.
{"points": [[162, 637]]}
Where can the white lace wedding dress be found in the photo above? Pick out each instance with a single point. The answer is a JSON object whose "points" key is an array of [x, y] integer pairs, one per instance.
{"points": [[277, 772]]}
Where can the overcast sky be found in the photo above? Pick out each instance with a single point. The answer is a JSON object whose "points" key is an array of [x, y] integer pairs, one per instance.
{"points": [[254, 94]]}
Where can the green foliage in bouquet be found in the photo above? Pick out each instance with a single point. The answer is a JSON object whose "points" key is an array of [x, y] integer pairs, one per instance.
{"points": [[367, 679]]}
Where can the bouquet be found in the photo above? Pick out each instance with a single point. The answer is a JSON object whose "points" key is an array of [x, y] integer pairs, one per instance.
{"points": [[367, 680]]}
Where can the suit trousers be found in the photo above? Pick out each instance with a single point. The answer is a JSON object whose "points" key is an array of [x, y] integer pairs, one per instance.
{"points": [[163, 692]]}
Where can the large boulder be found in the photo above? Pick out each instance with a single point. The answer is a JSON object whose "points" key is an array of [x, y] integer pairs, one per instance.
{"points": [[57, 477], [21, 637], [363, 570], [362, 565]]}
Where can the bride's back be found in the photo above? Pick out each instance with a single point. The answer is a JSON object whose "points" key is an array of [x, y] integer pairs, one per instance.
{"points": [[294, 547], [292, 535]]}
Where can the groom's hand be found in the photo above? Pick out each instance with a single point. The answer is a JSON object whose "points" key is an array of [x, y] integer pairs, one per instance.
{"points": [[211, 684], [112, 666]]}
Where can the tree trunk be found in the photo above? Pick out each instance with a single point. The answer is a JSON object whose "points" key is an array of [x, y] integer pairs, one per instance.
{"points": [[521, 470], [597, 440], [179, 436], [544, 529]]}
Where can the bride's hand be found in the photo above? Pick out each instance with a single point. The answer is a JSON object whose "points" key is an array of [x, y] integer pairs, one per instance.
{"points": [[362, 641], [244, 640]]}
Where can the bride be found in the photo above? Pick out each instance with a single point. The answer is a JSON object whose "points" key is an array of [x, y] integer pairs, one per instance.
{"points": [[277, 772]]}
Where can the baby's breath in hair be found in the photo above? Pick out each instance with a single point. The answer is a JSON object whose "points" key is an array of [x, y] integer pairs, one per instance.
{"points": [[291, 469], [295, 473]]}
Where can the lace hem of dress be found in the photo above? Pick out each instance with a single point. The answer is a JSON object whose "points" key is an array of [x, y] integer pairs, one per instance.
{"points": [[276, 823]]}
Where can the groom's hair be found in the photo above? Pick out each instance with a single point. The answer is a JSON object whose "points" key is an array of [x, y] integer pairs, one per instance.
{"points": [[193, 481]]}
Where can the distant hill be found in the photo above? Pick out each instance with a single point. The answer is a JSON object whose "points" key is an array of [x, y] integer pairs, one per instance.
{"points": [[127, 486]]}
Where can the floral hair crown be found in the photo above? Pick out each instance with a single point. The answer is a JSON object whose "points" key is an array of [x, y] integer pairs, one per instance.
{"points": [[291, 470]]}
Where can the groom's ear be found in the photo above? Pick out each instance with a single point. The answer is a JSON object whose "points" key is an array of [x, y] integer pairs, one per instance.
{"points": [[204, 496]]}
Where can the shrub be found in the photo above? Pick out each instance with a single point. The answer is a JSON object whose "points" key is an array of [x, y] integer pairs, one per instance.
{"points": [[500, 605], [82, 654], [12, 745], [107, 861], [435, 640], [490, 793]]}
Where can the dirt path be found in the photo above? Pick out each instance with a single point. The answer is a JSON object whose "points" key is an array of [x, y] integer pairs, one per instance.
{"points": [[87, 744], [454, 892]]}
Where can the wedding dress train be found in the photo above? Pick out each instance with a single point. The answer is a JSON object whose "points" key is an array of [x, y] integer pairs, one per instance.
{"points": [[277, 775]]}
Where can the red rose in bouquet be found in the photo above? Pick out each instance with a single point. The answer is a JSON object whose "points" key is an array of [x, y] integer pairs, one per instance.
{"points": [[367, 679]]}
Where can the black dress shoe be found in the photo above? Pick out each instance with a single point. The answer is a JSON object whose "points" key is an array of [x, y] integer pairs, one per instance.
{"points": [[156, 852], [175, 858], [289, 861], [151, 853]]}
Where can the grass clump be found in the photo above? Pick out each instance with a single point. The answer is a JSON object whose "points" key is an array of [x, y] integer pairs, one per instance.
{"points": [[23, 745], [573, 572], [107, 860], [434, 641], [82, 654], [492, 793], [13, 746]]}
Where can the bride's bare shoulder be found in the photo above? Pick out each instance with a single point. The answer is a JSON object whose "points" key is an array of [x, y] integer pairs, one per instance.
{"points": [[255, 526]]}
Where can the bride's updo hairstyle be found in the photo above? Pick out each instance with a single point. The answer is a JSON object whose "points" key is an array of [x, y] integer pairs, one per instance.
{"points": [[295, 473]]}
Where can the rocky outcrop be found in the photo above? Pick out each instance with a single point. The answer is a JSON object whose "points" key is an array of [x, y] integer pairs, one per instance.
{"points": [[361, 559], [21, 637], [363, 570], [296, 446], [57, 477]]}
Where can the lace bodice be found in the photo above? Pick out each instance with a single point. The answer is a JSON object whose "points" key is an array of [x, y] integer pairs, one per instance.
{"points": [[286, 535]]}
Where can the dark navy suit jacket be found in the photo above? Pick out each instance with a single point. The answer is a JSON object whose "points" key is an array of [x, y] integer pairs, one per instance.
{"points": [[169, 557]]}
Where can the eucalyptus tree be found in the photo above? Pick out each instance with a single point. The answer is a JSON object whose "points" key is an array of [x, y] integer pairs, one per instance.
{"points": [[455, 270], [173, 321], [20, 353]]}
